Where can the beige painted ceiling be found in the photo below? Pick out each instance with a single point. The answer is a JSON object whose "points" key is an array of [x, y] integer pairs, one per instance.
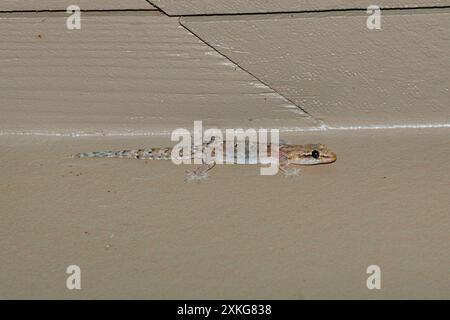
{"points": [[121, 74], [338, 70], [31, 5], [195, 7]]}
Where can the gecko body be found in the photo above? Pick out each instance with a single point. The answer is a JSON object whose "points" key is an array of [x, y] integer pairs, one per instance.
{"points": [[290, 156]]}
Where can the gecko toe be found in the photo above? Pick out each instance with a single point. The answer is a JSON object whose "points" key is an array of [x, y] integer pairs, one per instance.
{"points": [[292, 172], [195, 176]]}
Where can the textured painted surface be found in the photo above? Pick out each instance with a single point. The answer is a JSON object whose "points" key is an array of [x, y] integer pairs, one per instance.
{"points": [[138, 231], [21, 5], [125, 75], [341, 72], [189, 7]]}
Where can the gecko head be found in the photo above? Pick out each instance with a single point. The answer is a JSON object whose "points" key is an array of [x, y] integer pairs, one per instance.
{"points": [[311, 154]]}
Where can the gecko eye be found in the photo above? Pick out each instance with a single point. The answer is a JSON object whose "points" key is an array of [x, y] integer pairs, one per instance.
{"points": [[315, 154]]}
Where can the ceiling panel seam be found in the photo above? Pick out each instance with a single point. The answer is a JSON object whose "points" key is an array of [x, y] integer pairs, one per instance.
{"points": [[336, 11], [250, 73]]}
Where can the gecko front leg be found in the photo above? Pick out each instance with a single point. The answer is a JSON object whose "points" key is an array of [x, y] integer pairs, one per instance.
{"points": [[290, 170], [199, 173]]}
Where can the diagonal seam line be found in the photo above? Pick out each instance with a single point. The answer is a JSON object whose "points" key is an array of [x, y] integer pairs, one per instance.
{"points": [[248, 72], [157, 7]]}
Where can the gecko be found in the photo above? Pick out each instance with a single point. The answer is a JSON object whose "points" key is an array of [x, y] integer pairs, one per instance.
{"points": [[290, 157]]}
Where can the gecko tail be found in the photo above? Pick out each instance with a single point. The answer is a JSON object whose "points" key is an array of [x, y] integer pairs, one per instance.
{"points": [[97, 154], [144, 154]]}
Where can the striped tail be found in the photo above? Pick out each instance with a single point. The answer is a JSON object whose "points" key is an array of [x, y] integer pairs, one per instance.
{"points": [[149, 154], [99, 154]]}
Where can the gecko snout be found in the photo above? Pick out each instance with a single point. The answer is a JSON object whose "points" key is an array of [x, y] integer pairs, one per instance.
{"points": [[331, 157]]}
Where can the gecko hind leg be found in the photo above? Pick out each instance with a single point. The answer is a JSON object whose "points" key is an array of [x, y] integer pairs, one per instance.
{"points": [[199, 173]]}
